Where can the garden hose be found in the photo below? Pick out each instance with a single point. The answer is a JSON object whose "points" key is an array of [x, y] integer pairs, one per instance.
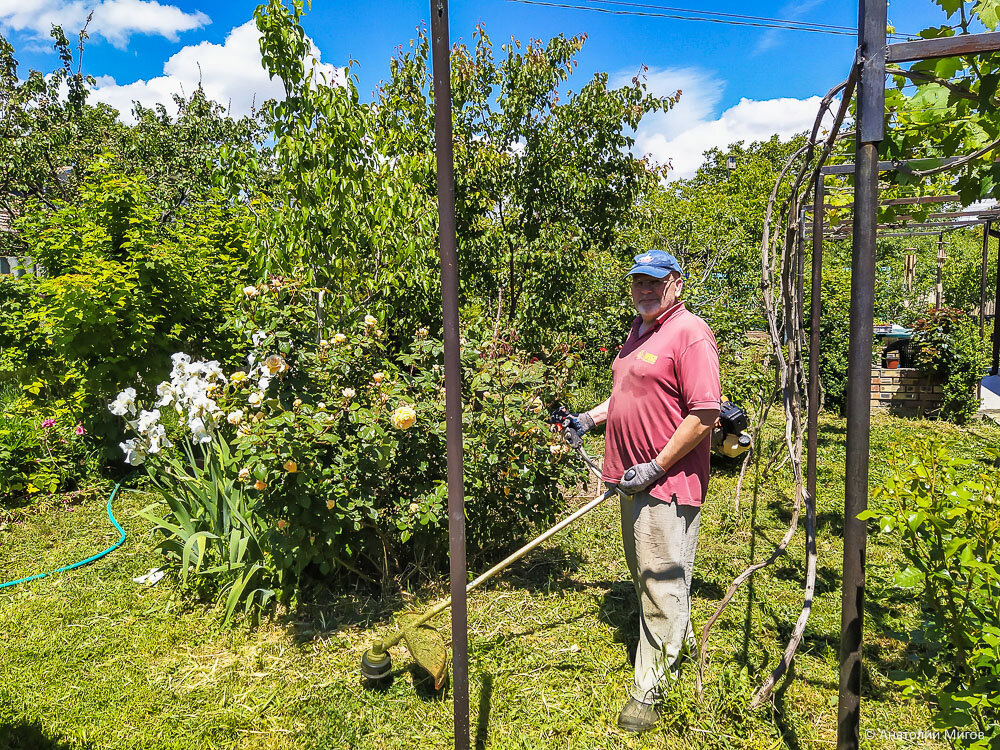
{"points": [[81, 563]]}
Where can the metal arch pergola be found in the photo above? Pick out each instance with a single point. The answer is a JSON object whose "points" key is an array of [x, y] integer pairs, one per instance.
{"points": [[871, 57], [870, 61], [936, 224]]}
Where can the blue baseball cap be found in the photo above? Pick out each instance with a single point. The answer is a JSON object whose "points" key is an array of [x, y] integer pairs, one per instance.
{"points": [[655, 263]]}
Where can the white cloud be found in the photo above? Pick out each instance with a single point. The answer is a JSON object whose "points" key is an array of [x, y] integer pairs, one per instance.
{"points": [[231, 74], [115, 20], [682, 135]]}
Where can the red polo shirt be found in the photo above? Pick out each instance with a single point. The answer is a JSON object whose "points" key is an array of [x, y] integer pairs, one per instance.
{"points": [[659, 377]]}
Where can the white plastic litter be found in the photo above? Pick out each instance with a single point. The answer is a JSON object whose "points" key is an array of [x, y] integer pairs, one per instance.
{"points": [[152, 577]]}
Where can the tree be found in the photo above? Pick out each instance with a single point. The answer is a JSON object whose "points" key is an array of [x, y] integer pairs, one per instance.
{"points": [[712, 223], [544, 177]]}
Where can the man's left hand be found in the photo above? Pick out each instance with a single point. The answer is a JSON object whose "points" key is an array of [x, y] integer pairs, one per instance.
{"points": [[639, 477]]}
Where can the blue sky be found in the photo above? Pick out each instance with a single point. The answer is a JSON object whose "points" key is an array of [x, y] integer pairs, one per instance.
{"points": [[738, 82]]}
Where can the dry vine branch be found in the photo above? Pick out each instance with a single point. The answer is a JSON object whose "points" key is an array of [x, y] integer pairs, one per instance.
{"points": [[789, 337]]}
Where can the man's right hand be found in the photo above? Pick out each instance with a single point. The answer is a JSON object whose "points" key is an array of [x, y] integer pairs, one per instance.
{"points": [[579, 423]]}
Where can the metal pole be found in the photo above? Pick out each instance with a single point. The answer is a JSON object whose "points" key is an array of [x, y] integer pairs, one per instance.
{"points": [[982, 280], [982, 297], [871, 109], [800, 270], [452, 367], [816, 308], [939, 288], [996, 328]]}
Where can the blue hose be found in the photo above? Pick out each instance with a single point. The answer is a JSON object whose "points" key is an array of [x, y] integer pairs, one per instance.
{"points": [[90, 559]]}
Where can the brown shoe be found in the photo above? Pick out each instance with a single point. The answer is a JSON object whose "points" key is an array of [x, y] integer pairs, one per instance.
{"points": [[638, 717]]}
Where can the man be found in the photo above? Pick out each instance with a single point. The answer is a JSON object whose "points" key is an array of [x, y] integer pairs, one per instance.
{"points": [[664, 403]]}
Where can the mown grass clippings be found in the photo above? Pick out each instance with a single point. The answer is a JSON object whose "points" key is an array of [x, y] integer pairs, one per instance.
{"points": [[93, 660]]}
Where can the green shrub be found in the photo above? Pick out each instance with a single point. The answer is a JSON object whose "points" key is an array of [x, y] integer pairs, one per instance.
{"points": [[342, 442], [945, 517], [949, 348], [41, 451], [121, 287]]}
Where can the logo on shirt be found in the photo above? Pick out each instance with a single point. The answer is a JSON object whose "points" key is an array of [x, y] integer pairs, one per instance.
{"points": [[646, 356]]}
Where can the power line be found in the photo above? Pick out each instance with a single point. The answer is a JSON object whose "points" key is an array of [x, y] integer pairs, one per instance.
{"points": [[726, 15], [724, 19]]}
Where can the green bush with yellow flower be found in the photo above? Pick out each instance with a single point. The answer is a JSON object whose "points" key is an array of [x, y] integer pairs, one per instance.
{"points": [[333, 437]]}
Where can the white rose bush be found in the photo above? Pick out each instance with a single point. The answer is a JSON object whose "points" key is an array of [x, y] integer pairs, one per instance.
{"points": [[326, 454]]}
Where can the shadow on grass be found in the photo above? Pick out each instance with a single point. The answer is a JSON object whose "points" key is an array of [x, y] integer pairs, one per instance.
{"points": [[21, 736], [483, 717], [620, 609], [783, 716], [323, 609]]}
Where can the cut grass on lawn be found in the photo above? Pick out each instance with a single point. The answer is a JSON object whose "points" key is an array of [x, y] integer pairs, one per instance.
{"points": [[93, 660]]}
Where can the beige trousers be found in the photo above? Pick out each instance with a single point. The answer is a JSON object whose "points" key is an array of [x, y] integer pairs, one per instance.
{"points": [[660, 541]]}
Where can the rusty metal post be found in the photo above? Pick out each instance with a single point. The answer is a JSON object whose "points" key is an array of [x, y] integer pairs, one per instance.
{"points": [[982, 297], [983, 278], [870, 129], [452, 366], [815, 309], [939, 288], [996, 328]]}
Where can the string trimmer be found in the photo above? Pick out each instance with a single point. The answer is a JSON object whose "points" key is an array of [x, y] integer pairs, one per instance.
{"points": [[425, 644]]}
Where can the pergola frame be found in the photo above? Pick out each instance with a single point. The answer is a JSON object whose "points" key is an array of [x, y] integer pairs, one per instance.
{"points": [[871, 57]]}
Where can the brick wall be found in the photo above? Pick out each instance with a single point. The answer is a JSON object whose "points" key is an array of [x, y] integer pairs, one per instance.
{"points": [[904, 391]]}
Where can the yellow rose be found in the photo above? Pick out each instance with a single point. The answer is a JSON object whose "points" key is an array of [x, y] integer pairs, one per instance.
{"points": [[339, 338], [378, 377], [260, 485], [348, 393], [370, 321], [244, 474], [291, 467], [404, 417], [330, 504], [422, 332], [275, 364], [238, 377]]}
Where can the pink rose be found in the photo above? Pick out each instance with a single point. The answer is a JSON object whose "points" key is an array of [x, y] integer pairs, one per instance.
{"points": [[48, 423], [79, 430]]}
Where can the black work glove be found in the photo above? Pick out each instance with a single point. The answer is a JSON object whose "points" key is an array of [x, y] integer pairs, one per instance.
{"points": [[579, 423], [639, 477]]}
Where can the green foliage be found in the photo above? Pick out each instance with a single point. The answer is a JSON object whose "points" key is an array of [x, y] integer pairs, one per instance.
{"points": [[49, 136], [943, 513], [950, 349], [544, 177], [213, 533], [120, 287], [41, 451], [342, 443], [951, 110], [346, 211], [834, 336], [748, 377], [340, 415]]}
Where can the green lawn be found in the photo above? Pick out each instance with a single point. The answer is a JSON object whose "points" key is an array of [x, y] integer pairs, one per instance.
{"points": [[91, 659]]}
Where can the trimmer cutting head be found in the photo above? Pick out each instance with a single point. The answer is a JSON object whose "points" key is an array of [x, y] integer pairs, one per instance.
{"points": [[376, 668]]}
